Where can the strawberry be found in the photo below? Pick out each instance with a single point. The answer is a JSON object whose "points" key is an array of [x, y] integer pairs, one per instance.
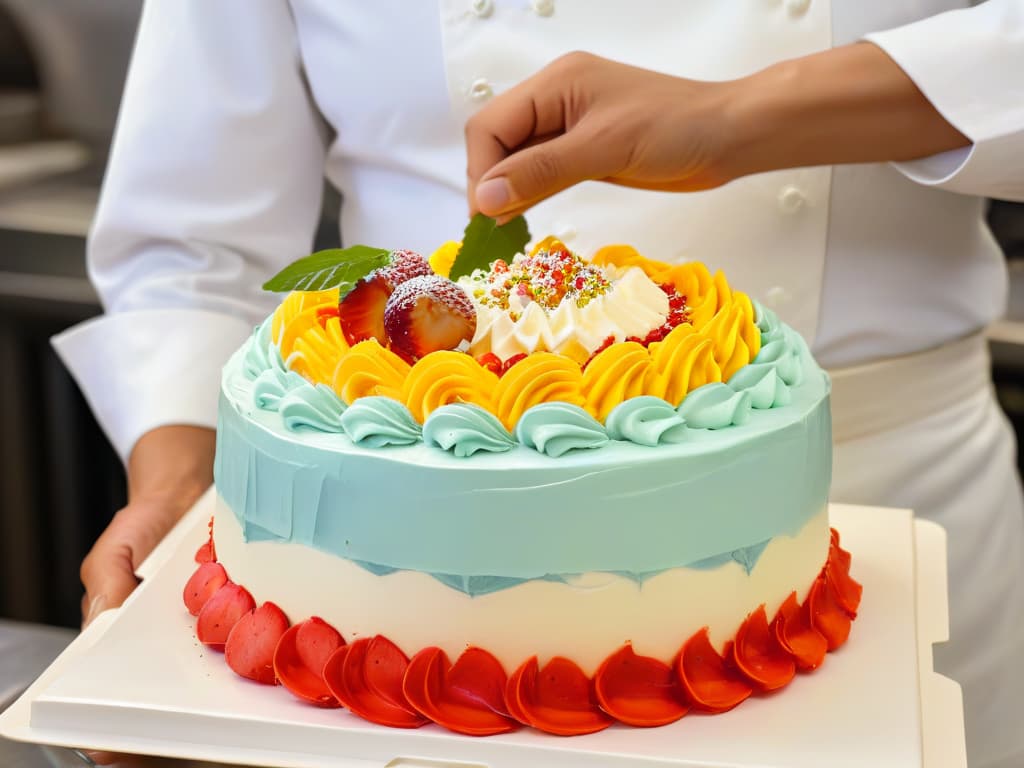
{"points": [[427, 314], [491, 362], [220, 614], [249, 650], [510, 362], [208, 578], [362, 310]]}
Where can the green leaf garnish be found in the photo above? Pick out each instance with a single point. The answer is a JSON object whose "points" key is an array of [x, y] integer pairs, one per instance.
{"points": [[339, 268], [484, 242]]}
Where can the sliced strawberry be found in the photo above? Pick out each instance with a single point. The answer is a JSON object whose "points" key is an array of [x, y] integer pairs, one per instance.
{"points": [[207, 553], [405, 265], [427, 314], [300, 658], [491, 362], [220, 614], [208, 578], [362, 311], [251, 643]]}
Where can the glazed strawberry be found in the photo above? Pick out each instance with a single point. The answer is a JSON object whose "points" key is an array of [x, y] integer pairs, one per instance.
{"points": [[491, 362], [427, 314], [362, 311]]}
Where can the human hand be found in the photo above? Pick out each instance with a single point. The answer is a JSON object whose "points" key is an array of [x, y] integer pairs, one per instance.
{"points": [[586, 118], [583, 117], [169, 468]]}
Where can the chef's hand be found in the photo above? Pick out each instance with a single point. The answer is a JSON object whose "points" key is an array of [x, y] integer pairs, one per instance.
{"points": [[586, 118], [169, 468]]}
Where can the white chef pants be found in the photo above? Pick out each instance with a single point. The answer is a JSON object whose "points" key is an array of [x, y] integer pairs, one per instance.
{"points": [[925, 432]]}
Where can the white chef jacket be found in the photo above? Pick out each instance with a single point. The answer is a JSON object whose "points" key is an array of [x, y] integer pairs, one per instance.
{"points": [[234, 110]]}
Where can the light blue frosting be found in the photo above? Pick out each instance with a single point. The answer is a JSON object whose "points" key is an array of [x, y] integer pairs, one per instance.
{"points": [[311, 407], [715, 496], [376, 422], [272, 385], [715, 406], [464, 429], [262, 354], [646, 421], [554, 429]]}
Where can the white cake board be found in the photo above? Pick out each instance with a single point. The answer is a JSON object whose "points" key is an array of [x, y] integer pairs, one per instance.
{"points": [[138, 681]]}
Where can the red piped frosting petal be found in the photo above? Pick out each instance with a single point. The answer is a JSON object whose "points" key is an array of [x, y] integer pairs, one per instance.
{"points": [[220, 614], [384, 670], [837, 574], [208, 578], [207, 553], [558, 699], [300, 659], [464, 707], [796, 634], [345, 676], [639, 690], [250, 646], [827, 615], [757, 653], [708, 682]]}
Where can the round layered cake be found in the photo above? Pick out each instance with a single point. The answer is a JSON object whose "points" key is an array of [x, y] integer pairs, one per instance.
{"points": [[554, 492]]}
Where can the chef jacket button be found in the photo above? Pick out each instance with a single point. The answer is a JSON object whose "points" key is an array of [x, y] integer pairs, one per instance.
{"points": [[480, 90], [565, 232], [543, 7], [482, 8], [797, 7], [776, 295], [791, 199]]}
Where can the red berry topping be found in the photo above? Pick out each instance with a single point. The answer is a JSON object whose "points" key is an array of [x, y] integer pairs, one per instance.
{"points": [[404, 265], [512, 361], [427, 314], [491, 362], [362, 310]]}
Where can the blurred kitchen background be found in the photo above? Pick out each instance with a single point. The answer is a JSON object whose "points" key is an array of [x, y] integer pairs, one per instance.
{"points": [[62, 66]]}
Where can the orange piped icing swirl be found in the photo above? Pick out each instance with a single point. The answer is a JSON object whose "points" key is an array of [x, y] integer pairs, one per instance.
{"points": [[543, 377], [446, 377], [682, 362], [618, 373], [736, 338], [369, 369]]}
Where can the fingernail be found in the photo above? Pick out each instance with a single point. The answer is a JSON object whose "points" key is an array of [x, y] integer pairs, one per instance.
{"points": [[96, 606], [492, 196]]}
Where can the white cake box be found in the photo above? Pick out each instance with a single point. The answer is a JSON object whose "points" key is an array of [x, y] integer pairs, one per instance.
{"points": [[138, 681]]}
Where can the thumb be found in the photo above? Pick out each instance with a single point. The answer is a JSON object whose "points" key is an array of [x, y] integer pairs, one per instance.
{"points": [[537, 172], [109, 578]]}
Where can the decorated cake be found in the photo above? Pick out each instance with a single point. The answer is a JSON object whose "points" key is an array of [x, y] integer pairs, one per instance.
{"points": [[508, 486]]}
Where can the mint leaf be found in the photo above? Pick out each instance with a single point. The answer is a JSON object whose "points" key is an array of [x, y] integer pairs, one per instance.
{"points": [[484, 242], [338, 268]]}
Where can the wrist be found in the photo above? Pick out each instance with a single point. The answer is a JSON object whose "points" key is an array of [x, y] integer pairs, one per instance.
{"points": [[851, 104], [171, 466]]}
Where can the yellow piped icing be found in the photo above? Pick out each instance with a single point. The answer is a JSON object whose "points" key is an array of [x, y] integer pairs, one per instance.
{"points": [[682, 362], [615, 374], [543, 377], [720, 338], [369, 369], [447, 377]]}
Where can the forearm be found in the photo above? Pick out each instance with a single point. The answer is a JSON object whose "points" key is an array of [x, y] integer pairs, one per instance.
{"points": [[852, 104], [172, 465]]}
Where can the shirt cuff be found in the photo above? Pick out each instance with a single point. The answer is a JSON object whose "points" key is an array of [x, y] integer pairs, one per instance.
{"points": [[146, 369], [965, 63]]}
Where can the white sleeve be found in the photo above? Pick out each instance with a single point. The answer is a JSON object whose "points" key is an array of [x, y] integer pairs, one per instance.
{"points": [[970, 64], [214, 182]]}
